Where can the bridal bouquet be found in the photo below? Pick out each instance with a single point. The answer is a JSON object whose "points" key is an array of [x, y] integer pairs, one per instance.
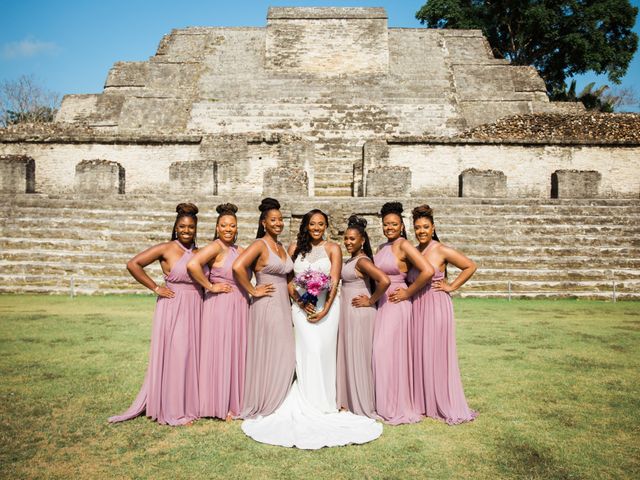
{"points": [[314, 283]]}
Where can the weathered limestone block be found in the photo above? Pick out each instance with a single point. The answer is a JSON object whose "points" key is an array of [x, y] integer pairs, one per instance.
{"points": [[388, 181], [483, 183], [285, 181], [99, 176], [297, 153], [229, 152], [194, 176], [354, 40], [575, 183], [376, 153], [17, 174]]}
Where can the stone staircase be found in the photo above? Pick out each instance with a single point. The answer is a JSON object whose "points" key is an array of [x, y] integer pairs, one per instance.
{"points": [[523, 247]]}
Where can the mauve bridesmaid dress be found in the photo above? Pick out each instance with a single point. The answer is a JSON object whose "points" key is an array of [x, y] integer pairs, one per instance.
{"points": [[223, 344], [271, 354], [355, 344], [392, 358], [169, 393], [437, 386]]}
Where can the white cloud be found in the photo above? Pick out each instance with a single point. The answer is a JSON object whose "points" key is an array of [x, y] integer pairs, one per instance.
{"points": [[29, 47]]}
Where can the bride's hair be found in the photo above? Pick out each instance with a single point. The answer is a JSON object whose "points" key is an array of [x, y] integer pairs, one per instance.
{"points": [[303, 241]]}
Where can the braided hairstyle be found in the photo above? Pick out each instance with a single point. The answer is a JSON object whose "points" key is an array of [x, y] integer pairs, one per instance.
{"points": [[265, 206], [185, 210], [226, 209], [303, 241], [425, 211], [360, 225], [395, 208]]}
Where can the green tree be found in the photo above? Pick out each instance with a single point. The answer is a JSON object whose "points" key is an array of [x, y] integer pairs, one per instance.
{"points": [[561, 38], [24, 101]]}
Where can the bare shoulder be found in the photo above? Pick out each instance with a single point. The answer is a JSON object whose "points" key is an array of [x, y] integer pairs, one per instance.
{"points": [[333, 247], [292, 247]]}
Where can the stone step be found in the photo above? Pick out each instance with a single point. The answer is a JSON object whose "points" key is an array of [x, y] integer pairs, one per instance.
{"points": [[498, 218], [534, 295], [526, 206], [155, 232], [117, 268], [471, 249], [118, 259]]}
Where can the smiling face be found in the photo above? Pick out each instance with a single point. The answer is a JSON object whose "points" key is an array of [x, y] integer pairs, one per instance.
{"points": [[423, 229], [186, 230], [273, 223], [317, 226], [392, 226], [353, 241], [227, 228]]}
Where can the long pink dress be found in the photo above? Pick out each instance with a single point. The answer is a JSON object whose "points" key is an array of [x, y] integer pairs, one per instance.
{"points": [[223, 344], [438, 391], [392, 356], [271, 351], [355, 344], [169, 393]]}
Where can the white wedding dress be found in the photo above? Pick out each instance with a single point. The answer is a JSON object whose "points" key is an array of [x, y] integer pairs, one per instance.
{"points": [[308, 417]]}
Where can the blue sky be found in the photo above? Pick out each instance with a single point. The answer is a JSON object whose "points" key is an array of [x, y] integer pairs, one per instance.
{"points": [[70, 45]]}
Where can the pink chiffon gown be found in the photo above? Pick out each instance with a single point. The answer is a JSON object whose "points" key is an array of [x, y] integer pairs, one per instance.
{"points": [[437, 388], [271, 353], [223, 344], [355, 344], [169, 393], [392, 356]]}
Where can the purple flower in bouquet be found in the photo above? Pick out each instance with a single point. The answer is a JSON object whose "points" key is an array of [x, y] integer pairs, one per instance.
{"points": [[314, 283]]}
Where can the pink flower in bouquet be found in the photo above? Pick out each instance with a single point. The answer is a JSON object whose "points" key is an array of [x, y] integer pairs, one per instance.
{"points": [[313, 281]]}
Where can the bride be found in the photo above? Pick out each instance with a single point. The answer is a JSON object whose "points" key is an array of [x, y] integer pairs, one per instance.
{"points": [[308, 418]]}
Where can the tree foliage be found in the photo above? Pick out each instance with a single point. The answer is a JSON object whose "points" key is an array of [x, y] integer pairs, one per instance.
{"points": [[24, 101], [561, 38]]}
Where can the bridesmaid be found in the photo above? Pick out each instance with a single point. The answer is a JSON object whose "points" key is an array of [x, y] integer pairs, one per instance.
{"points": [[363, 284], [169, 393], [223, 342], [437, 386], [271, 356], [392, 357]]}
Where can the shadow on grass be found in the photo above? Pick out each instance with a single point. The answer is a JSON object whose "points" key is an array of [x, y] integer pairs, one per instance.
{"points": [[524, 458]]}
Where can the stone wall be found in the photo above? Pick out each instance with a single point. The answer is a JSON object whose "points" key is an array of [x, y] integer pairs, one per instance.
{"points": [[425, 168], [528, 168], [354, 41]]}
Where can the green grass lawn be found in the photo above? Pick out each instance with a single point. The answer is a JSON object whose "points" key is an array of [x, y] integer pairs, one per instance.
{"points": [[556, 384]]}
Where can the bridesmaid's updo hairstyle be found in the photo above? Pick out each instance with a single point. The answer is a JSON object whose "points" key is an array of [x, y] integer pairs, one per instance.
{"points": [[185, 210], [303, 242], [396, 208], [425, 211], [225, 209], [360, 224], [265, 206]]}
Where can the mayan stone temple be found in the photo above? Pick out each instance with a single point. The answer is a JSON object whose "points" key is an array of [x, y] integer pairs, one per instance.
{"points": [[327, 108]]}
